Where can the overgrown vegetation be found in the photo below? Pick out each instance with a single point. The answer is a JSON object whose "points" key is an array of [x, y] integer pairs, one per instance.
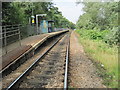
{"points": [[105, 57], [107, 36], [100, 36], [20, 12], [101, 17]]}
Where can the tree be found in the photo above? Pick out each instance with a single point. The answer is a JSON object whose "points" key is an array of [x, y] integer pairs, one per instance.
{"points": [[99, 15], [20, 12]]}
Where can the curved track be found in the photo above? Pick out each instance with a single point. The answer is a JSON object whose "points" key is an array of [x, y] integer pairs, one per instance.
{"points": [[49, 70]]}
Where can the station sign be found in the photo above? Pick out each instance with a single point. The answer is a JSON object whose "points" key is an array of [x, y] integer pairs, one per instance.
{"points": [[33, 21]]}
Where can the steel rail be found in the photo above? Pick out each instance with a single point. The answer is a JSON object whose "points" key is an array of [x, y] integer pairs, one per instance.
{"points": [[16, 81], [66, 65]]}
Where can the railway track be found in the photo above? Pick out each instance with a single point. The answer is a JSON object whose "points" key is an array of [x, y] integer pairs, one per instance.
{"points": [[49, 70]]}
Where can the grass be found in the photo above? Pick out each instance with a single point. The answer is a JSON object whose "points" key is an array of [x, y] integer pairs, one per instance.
{"points": [[105, 57]]}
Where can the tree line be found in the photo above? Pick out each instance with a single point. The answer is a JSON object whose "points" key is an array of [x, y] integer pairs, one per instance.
{"points": [[20, 12], [102, 19]]}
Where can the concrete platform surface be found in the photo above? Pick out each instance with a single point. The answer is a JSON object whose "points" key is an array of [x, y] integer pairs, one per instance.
{"points": [[14, 54], [15, 50]]}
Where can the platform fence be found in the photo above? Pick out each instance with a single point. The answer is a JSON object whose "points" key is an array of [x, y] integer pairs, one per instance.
{"points": [[11, 36]]}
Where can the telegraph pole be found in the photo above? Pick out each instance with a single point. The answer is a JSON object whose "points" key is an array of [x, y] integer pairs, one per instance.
{"points": [[32, 8], [33, 17]]}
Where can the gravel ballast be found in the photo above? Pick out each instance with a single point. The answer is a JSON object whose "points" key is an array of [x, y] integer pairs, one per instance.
{"points": [[82, 72]]}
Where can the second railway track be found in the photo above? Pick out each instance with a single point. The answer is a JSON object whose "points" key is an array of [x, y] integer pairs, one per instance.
{"points": [[49, 70]]}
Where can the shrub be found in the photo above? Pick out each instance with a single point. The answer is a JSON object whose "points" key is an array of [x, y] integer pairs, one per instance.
{"points": [[110, 37]]}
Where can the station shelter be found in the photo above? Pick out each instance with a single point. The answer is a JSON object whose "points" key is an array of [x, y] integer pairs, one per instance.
{"points": [[46, 26], [50, 26]]}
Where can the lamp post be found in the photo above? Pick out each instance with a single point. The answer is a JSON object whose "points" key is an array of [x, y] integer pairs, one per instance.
{"points": [[33, 17], [37, 20]]}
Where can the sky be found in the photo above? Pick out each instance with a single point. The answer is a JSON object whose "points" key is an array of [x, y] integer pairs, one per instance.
{"points": [[69, 9]]}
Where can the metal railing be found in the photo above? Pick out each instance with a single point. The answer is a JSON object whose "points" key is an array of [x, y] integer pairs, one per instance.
{"points": [[14, 33], [10, 34]]}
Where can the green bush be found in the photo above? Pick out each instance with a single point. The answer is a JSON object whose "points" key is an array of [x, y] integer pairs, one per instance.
{"points": [[92, 34], [110, 37]]}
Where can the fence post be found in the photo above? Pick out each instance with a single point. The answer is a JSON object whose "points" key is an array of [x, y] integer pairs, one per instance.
{"points": [[19, 35], [5, 39]]}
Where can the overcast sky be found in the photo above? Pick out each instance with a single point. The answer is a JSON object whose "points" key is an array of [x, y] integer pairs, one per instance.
{"points": [[69, 9]]}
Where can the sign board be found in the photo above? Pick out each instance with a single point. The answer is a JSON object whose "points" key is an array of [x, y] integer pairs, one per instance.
{"points": [[33, 21]]}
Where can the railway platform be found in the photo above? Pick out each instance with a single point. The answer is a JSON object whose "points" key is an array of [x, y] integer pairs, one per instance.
{"points": [[28, 45]]}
